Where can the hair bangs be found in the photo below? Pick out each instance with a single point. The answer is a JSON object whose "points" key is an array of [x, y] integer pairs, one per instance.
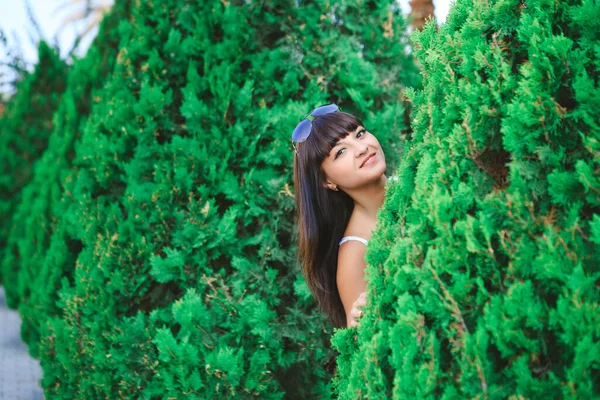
{"points": [[327, 130]]}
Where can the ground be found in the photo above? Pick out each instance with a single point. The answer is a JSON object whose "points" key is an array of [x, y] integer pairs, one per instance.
{"points": [[19, 372]]}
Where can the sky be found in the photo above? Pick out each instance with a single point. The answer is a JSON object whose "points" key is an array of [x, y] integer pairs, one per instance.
{"points": [[51, 15]]}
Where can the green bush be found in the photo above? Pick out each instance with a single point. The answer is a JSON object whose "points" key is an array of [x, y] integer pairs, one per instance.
{"points": [[483, 270], [25, 125], [171, 270], [39, 210]]}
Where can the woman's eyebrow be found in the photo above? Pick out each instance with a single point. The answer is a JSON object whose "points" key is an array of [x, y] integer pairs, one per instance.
{"points": [[342, 141]]}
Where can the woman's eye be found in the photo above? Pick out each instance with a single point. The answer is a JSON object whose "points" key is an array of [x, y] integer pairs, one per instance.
{"points": [[361, 133]]}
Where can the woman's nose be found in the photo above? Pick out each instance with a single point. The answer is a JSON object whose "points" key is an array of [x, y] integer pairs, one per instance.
{"points": [[363, 151]]}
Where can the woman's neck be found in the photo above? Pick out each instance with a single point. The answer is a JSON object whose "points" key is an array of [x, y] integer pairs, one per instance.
{"points": [[370, 198]]}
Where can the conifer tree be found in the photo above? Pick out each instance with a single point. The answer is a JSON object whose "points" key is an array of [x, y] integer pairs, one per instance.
{"points": [[36, 216], [184, 283], [25, 125], [483, 271]]}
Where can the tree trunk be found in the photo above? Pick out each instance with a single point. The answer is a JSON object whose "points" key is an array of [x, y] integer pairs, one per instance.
{"points": [[420, 10]]}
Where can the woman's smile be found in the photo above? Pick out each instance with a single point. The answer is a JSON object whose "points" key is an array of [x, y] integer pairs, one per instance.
{"points": [[371, 159]]}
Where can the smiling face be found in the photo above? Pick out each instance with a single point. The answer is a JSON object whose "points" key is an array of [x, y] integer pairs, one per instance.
{"points": [[350, 163]]}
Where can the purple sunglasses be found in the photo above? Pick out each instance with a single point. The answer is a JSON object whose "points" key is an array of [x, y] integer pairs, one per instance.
{"points": [[302, 131]]}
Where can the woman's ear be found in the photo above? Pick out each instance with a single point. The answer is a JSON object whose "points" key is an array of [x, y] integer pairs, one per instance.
{"points": [[329, 185]]}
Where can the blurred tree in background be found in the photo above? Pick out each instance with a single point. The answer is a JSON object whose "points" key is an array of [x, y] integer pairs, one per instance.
{"points": [[81, 16], [13, 68], [87, 12], [36, 215], [25, 125]]}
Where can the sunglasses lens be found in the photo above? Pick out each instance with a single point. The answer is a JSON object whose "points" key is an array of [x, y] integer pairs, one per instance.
{"points": [[324, 110], [302, 131]]}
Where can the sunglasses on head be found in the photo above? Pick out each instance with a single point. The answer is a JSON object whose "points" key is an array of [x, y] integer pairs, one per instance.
{"points": [[302, 131]]}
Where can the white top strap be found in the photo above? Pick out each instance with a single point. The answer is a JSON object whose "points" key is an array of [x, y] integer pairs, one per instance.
{"points": [[346, 238]]}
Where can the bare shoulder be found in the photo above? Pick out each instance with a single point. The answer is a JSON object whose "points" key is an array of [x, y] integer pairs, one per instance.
{"points": [[350, 274], [351, 250]]}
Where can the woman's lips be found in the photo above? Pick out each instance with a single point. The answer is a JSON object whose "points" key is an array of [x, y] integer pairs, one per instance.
{"points": [[369, 160]]}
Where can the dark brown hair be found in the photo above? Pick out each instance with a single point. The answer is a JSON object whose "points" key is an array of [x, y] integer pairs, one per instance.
{"points": [[323, 214]]}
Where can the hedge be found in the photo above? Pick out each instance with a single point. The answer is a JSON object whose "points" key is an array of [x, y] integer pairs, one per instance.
{"points": [[483, 270]]}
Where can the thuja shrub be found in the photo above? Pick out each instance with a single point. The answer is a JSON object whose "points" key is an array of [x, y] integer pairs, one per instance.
{"points": [[483, 270], [35, 217], [174, 238], [25, 125]]}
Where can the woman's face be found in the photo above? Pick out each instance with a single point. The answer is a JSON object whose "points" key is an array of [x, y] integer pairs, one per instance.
{"points": [[345, 165]]}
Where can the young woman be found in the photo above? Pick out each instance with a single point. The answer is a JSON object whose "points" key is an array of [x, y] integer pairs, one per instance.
{"points": [[339, 184]]}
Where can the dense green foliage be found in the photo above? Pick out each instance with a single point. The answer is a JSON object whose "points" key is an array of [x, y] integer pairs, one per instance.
{"points": [[484, 268], [164, 261], [35, 287], [25, 125]]}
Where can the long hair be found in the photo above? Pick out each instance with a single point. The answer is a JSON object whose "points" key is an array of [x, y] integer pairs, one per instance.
{"points": [[323, 214]]}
